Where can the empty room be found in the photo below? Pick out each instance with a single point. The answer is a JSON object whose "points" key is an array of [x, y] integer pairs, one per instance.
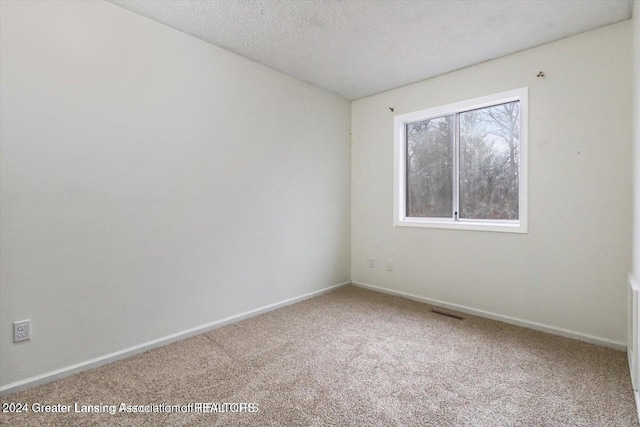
{"points": [[319, 212]]}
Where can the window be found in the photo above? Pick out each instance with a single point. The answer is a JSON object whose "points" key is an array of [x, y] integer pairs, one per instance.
{"points": [[463, 165]]}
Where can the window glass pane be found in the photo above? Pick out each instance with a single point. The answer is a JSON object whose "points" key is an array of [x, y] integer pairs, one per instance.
{"points": [[430, 168], [489, 154]]}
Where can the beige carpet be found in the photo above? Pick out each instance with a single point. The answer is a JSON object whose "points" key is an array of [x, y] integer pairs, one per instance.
{"points": [[355, 358]]}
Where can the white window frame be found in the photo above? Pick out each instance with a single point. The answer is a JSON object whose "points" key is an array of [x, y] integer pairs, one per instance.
{"points": [[400, 166]]}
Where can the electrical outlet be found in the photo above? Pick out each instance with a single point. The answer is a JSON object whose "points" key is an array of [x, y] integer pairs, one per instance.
{"points": [[22, 330], [372, 263], [389, 265]]}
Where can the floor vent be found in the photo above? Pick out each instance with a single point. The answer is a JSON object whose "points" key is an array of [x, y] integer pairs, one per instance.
{"points": [[447, 314]]}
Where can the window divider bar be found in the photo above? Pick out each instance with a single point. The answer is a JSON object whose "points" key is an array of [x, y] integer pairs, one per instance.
{"points": [[456, 167]]}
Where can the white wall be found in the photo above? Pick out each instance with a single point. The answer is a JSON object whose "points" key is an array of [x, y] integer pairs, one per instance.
{"points": [[153, 183], [636, 139], [633, 327], [570, 271]]}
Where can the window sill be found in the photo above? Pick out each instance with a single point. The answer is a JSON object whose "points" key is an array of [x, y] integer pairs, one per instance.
{"points": [[494, 226]]}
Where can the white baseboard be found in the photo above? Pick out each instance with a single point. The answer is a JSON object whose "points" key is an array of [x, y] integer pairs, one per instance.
{"points": [[637, 397], [506, 319], [635, 391], [122, 354], [632, 338]]}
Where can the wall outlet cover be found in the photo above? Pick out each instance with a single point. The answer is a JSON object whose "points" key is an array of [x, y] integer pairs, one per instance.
{"points": [[22, 330]]}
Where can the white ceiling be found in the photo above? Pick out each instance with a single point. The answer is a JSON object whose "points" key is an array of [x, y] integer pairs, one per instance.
{"points": [[357, 48]]}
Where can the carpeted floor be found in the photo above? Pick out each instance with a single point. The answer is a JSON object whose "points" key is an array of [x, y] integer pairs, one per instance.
{"points": [[354, 357]]}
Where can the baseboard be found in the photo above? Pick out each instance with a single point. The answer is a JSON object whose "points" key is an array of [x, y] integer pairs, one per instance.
{"points": [[637, 397], [122, 354], [506, 319], [635, 391], [632, 338]]}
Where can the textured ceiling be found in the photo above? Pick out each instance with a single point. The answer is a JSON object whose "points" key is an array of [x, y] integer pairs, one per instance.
{"points": [[357, 48]]}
